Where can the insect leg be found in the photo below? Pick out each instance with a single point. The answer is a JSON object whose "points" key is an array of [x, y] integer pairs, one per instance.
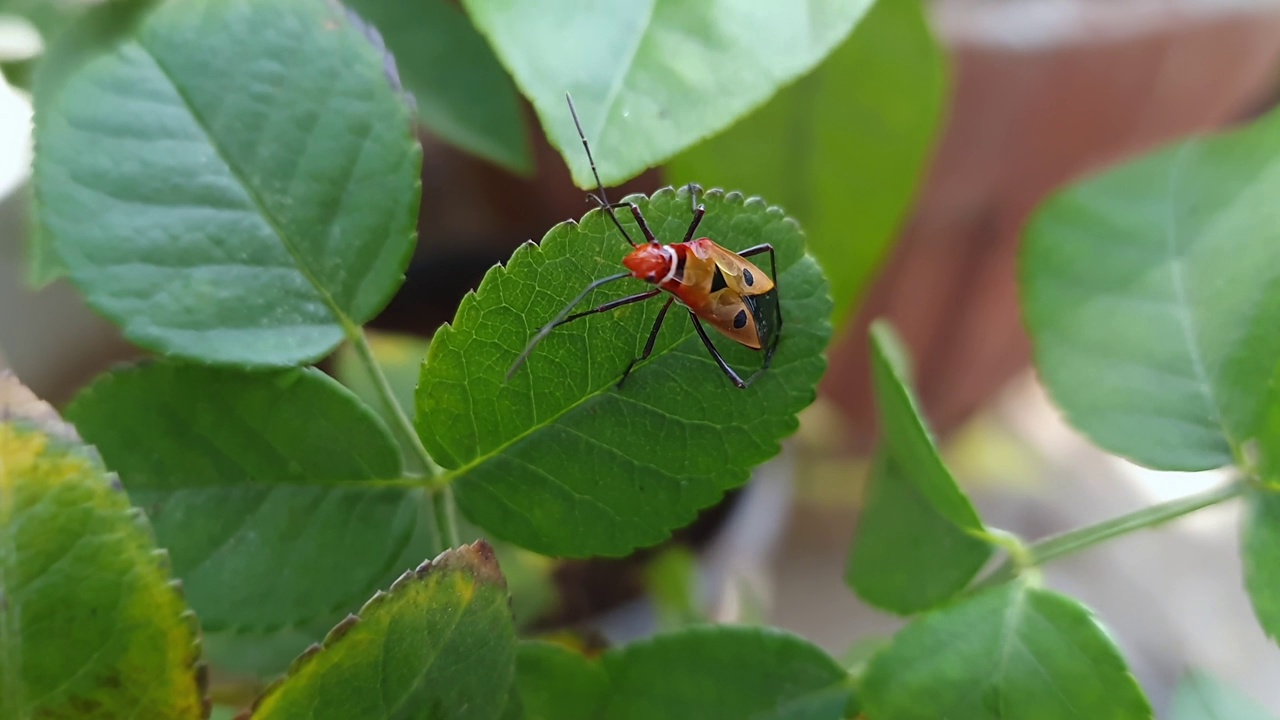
{"points": [[561, 318], [698, 212], [648, 346], [715, 354], [693, 189], [603, 201], [635, 212], [610, 305]]}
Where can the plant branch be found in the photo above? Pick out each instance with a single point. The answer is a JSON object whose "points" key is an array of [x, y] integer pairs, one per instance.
{"points": [[441, 495], [1051, 548]]}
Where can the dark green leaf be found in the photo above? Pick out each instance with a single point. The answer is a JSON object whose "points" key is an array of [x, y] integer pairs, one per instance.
{"points": [[1009, 653], [557, 683], [652, 78], [843, 148], [462, 92], [1152, 295], [90, 624], [1202, 697], [237, 183], [438, 646], [277, 493], [99, 31], [919, 541], [558, 460], [725, 672]]}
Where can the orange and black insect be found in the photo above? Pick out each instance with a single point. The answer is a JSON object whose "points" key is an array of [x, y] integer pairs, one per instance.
{"points": [[717, 286]]}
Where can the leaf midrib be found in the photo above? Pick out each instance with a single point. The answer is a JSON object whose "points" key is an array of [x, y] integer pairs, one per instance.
{"points": [[349, 327], [1182, 301], [481, 458]]}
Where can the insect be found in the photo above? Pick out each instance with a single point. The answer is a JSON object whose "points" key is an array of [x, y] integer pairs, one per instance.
{"points": [[717, 286]]}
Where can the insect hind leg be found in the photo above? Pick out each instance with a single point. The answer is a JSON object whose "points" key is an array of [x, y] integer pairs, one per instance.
{"points": [[715, 355]]}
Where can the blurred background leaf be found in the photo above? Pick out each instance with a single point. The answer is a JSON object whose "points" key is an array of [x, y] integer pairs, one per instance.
{"points": [[842, 149]]}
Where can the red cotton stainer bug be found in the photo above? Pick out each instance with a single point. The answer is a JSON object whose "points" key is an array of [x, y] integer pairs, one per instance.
{"points": [[717, 286]]}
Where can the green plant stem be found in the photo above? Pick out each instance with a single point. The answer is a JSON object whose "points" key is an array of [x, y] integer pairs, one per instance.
{"points": [[1051, 548], [441, 494]]}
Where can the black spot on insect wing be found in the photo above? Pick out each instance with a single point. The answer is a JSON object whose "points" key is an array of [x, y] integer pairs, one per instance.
{"points": [[740, 320], [748, 278]]}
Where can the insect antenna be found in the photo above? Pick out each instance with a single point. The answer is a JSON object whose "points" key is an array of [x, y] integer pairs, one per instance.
{"points": [[602, 199]]}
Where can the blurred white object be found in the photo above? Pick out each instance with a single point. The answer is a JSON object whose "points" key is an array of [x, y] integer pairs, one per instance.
{"points": [[15, 138], [19, 39]]}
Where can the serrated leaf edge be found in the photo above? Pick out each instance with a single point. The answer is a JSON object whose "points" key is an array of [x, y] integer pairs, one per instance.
{"points": [[478, 558]]}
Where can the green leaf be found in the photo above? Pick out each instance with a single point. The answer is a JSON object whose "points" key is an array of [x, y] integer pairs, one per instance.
{"points": [[1260, 552], [843, 148], [1200, 696], [557, 683], [463, 94], [439, 645], [558, 460], [1139, 335], [651, 78], [400, 357], [90, 624], [712, 672], [237, 183], [671, 579], [1260, 528], [1011, 652], [277, 493], [722, 672], [99, 31], [919, 541], [49, 17]]}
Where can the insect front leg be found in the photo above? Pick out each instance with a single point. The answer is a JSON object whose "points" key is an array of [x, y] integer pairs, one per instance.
{"points": [[563, 316], [635, 212]]}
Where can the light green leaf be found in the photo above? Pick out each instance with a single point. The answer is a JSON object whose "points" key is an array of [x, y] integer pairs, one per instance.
{"points": [[277, 493], [438, 646], [843, 148], [560, 461], [723, 672], [1260, 528], [651, 78], [1011, 652], [1152, 295], [400, 357], [463, 94], [555, 682], [919, 541], [218, 206], [49, 17], [90, 624], [1200, 696], [1260, 551], [671, 580]]}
